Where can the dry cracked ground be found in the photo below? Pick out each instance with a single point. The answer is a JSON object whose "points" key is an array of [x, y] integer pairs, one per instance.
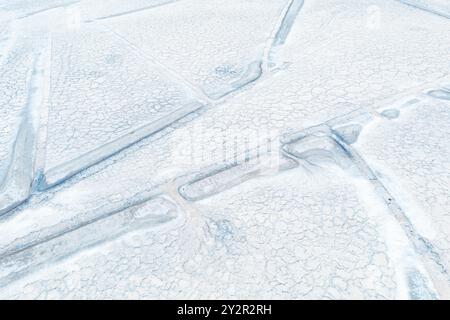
{"points": [[258, 149]]}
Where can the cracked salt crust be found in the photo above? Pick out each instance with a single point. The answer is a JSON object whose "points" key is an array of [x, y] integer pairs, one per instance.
{"points": [[135, 105]]}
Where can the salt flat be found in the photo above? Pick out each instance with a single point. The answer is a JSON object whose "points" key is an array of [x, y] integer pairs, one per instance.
{"points": [[256, 149]]}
